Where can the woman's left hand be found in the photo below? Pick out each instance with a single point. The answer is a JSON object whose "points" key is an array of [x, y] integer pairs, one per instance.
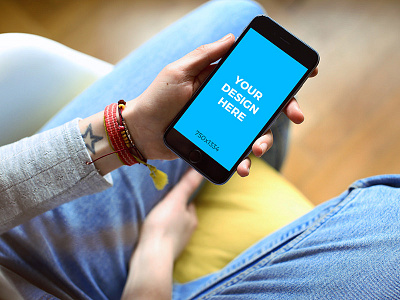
{"points": [[150, 114]]}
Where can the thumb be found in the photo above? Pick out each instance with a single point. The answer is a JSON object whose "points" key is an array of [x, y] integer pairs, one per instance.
{"points": [[186, 186], [197, 60]]}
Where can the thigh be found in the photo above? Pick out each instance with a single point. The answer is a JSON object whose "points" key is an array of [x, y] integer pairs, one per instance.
{"points": [[346, 248], [132, 75], [84, 246]]}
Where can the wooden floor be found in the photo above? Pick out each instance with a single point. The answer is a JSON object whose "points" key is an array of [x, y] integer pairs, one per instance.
{"points": [[352, 127]]}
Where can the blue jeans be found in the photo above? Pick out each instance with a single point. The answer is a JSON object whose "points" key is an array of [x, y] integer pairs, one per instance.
{"points": [[344, 248]]}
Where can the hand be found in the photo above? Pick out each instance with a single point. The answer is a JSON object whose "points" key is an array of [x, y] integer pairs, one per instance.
{"points": [[150, 114], [172, 221], [164, 234], [264, 143]]}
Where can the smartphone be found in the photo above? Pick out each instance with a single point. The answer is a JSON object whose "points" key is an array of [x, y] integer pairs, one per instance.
{"points": [[240, 99]]}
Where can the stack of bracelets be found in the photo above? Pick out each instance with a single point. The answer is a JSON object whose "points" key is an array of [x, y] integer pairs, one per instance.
{"points": [[122, 143], [118, 135]]}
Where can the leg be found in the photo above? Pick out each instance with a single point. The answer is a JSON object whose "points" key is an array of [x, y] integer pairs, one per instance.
{"points": [[84, 246], [134, 74], [346, 248]]}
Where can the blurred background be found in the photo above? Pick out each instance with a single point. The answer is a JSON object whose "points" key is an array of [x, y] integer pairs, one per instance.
{"points": [[352, 108]]}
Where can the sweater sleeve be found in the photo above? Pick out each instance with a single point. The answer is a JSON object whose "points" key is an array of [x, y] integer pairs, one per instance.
{"points": [[44, 171]]}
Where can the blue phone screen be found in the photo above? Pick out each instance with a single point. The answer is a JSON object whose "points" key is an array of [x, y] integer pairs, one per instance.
{"points": [[240, 98]]}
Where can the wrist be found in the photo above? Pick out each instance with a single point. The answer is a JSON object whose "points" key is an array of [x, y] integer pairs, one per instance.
{"points": [[116, 143], [156, 243], [138, 132], [96, 141], [147, 128], [154, 258]]}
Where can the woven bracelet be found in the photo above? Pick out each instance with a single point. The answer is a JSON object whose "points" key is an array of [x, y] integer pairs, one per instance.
{"points": [[126, 136], [114, 135], [121, 142]]}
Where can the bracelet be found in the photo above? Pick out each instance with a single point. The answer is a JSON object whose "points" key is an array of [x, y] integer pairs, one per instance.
{"points": [[126, 136], [114, 135], [121, 142]]}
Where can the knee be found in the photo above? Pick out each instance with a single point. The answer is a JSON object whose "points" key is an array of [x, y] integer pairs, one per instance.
{"points": [[240, 7], [239, 12], [243, 5]]}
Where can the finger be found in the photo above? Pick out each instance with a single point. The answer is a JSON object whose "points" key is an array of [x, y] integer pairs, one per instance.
{"points": [[191, 208], [263, 144], [293, 111], [243, 168], [186, 186], [196, 61], [191, 211], [314, 73], [203, 75]]}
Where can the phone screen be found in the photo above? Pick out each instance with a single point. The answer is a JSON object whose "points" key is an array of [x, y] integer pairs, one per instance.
{"points": [[244, 93]]}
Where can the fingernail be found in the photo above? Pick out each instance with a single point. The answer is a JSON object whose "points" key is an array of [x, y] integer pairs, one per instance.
{"points": [[225, 38], [264, 147]]}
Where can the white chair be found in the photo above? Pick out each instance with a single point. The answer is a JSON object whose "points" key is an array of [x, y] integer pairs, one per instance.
{"points": [[38, 77]]}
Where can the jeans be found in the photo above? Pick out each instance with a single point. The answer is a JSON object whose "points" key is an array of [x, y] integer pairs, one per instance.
{"points": [[344, 248]]}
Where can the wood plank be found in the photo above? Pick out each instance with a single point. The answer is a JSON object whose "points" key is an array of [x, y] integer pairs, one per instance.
{"points": [[356, 78], [15, 19]]}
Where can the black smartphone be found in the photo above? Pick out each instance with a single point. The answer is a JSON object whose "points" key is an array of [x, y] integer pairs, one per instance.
{"points": [[240, 99]]}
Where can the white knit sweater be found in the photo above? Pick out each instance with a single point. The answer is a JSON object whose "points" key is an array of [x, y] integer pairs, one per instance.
{"points": [[44, 171]]}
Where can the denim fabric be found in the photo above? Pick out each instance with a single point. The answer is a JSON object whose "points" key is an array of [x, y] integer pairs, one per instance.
{"points": [[346, 248], [83, 247]]}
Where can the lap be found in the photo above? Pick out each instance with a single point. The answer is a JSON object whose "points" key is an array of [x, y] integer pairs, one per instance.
{"points": [[346, 248], [84, 246]]}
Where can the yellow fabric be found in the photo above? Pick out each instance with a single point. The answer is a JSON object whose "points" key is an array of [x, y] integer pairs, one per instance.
{"points": [[236, 215]]}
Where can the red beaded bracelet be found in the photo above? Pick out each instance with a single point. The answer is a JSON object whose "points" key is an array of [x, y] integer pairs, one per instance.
{"points": [[122, 143], [126, 136], [114, 135]]}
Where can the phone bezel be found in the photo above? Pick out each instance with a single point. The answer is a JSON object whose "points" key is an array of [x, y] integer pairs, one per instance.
{"points": [[281, 38]]}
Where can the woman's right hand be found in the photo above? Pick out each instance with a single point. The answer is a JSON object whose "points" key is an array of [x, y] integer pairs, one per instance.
{"points": [[172, 221], [164, 233]]}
